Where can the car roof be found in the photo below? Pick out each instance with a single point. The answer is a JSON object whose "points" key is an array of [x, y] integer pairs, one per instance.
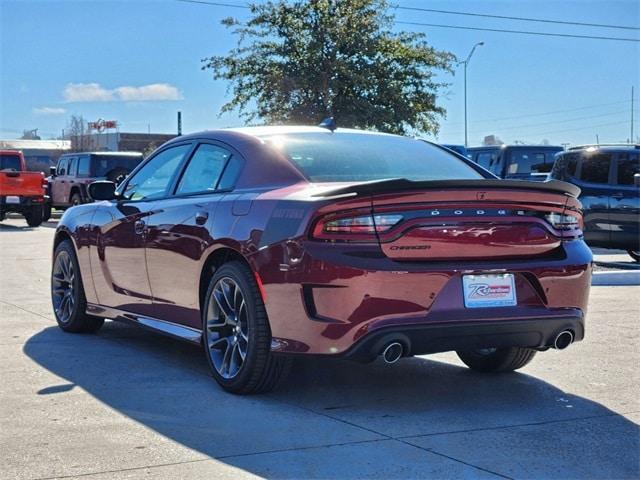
{"points": [[481, 147], [103, 153], [263, 131], [622, 147]]}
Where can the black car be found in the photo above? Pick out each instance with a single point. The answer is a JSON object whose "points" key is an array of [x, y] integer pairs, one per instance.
{"points": [[609, 177], [524, 162]]}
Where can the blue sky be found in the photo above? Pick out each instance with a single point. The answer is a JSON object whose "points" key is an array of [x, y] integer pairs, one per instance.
{"points": [[141, 59]]}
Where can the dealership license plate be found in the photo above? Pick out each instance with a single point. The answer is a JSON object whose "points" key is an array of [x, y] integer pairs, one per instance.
{"points": [[490, 290], [12, 199]]}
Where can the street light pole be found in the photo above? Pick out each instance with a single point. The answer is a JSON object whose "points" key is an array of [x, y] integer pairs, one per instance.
{"points": [[466, 63]]}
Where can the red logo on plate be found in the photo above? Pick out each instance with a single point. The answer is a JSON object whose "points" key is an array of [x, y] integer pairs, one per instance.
{"points": [[483, 290]]}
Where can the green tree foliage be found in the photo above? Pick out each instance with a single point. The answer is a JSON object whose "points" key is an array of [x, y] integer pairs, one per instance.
{"points": [[300, 61]]}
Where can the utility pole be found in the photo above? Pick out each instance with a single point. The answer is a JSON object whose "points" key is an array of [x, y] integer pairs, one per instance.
{"points": [[466, 63], [631, 138]]}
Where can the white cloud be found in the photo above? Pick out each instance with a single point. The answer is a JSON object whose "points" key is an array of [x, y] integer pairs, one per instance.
{"points": [[49, 111], [94, 92], [86, 92], [145, 93]]}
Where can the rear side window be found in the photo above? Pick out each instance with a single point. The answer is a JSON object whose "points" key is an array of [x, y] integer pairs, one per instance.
{"points": [[204, 169], [628, 166], [73, 163], [595, 168], [230, 174], [349, 157], [9, 162], [84, 166]]}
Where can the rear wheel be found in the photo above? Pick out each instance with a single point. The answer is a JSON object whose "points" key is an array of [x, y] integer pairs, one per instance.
{"points": [[46, 212], [236, 333], [34, 216], [497, 359], [635, 254], [67, 292]]}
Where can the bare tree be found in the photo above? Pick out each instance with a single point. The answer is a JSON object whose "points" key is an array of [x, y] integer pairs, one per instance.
{"points": [[78, 132]]}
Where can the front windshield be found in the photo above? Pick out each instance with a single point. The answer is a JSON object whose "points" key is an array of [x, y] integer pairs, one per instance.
{"points": [[9, 162], [349, 157]]}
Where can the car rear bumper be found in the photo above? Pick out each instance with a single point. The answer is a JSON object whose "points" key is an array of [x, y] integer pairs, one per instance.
{"points": [[25, 203], [433, 338], [331, 299]]}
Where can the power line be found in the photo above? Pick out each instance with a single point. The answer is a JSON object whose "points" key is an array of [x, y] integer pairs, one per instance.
{"points": [[552, 122], [521, 32], [215, 4], [553, 112], [523, 19]]}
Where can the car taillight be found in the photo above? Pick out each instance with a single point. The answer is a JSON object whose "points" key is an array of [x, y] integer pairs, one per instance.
{"points": [[360, 227], [564, 221]]}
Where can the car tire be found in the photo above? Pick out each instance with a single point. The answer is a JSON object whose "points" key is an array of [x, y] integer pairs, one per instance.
{"points": [[236, 334], [67, 293], [34, 216], [46, 213], [75, 199], [635, 254], [497, 359]]}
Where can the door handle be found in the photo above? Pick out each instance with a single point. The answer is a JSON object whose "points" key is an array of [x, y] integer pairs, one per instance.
{"points": [[139, 226], [201, 218], [617, 195]]}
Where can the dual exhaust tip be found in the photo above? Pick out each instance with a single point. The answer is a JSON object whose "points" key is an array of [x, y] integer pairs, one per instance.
{"points": [[394, 350]]}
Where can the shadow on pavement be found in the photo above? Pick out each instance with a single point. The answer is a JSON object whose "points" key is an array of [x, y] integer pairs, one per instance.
{"points": [[164, 385]]}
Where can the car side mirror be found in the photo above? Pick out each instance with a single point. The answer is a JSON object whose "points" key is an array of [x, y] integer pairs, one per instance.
{"points": [[636, 179], [102, 190], [52, 171]]}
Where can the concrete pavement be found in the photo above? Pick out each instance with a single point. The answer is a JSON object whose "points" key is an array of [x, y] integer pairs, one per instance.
{"points": [[126, 403]]}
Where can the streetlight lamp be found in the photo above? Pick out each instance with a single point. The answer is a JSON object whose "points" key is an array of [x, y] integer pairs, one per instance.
{"points": [[466, 62]]}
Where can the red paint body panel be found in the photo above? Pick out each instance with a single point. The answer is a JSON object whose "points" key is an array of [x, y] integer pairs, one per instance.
{"points": [[323, 296]]}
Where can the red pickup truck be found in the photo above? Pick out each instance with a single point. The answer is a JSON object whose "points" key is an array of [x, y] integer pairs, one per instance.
{"points": [[21, 191]]}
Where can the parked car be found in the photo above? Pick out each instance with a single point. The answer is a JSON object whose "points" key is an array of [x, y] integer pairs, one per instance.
{"points": [[75, 171], [525, 162], [608, 177], [461, 149], [264, 243], [21, 191]]}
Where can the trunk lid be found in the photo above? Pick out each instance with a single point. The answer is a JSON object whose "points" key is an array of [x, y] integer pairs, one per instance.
{"points": [[477, 220]]}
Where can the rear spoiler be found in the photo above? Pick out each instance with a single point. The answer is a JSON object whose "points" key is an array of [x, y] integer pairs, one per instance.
{"points": [[402, 184]]}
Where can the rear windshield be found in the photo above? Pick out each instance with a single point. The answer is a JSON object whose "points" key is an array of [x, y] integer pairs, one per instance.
{"points": [[103, 165], [531, 161], [349, 157], [9, 162]]}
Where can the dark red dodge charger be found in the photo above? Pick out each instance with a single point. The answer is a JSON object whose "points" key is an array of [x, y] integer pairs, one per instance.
{"points": [[268, 242]]}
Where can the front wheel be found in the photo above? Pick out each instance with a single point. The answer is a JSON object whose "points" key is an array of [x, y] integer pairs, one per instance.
{"points": [[67, 292], [635, 254], [497, 359], [236, 334], [76, 199]]}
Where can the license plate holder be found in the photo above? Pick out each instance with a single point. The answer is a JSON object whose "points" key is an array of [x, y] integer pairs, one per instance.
{"points": [[12, 199], [489, 290]]}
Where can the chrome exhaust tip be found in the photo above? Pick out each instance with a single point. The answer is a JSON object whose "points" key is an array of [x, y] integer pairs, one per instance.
{"points": [[392, 352], [563, 340]]}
